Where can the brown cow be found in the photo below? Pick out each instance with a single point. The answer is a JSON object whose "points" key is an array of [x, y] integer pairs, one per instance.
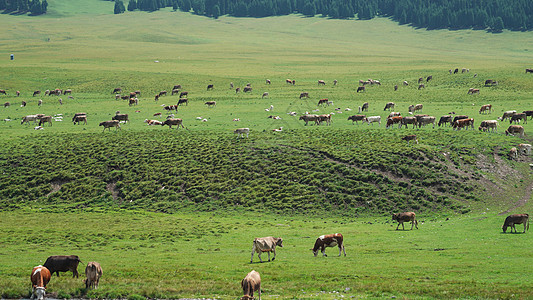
{"points": [[308, 118], [392, 121], [421, 86], [329, 240], [356, 118], [173, 122], [40, 276], [322, 118], [133, 101], [177, 87], [266, 244], [360, 89], [517, 117], [175, 91], [410, 138], [288, 81], [183, 101], [473, 91], [304, 95], [93, 271], [513, 129], [408, 120], [529, 113], [64, 263], [389, 106], [3, 92], [117, 90], [321, 82], [464, 123], [511, 220], [36, 93], [109, 124], [486, 108], [423, 121], [80, 118], [211, 103], [405, 217], [163, 93], [250, 284], [45, 119], [323, 101], [121, 117]]}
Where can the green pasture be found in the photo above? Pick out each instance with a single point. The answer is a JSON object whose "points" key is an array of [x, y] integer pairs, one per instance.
{"points": [[172, 213]]}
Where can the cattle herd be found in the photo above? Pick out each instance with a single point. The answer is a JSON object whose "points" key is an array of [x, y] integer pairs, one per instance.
{"points": [[41, 275]]}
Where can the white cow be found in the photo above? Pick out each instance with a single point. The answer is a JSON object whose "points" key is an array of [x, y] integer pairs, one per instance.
{"points": [[373, 119], [524, 149], [266, 244], [241, 131]]}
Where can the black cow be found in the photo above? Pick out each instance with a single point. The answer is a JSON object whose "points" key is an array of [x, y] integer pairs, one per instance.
{"points": [[63, 263]]}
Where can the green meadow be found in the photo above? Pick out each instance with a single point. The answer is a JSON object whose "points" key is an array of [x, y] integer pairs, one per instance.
{"points": [[172, 213]]}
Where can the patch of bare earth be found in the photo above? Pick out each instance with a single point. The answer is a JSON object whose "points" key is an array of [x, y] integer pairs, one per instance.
{"points": [[56, 186], [112, 188]]}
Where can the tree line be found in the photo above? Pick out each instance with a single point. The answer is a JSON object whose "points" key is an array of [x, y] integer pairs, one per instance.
{"points": [[492, 15], [34, 7]]}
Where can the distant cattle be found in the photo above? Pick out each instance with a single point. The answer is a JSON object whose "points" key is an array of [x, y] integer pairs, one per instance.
{"points": [[421, 79], [360, 89], [289, 81], [45, 119], [459, 117], [518, 117], [307, 118], [405, 217], [444, 120], [121, 117], [247, 89], [29, 118], [410, 138], [487, 125], [93, 271], [109, 124], [329, 240], [392, 121], [408, 120], [174, 91], [183, 101], [507, 114], [394, 114], [364, 107], [40, 276], [171, 107], [117, 90], [210, 87], [524, 149], [173, 122], [237, 90], [241, 131], [395, 87], [7, 104], [23, 104], [423, 121], [321, 82], [513, 153], [429, 78], [176, 87], [421, 86], [515, 129], [63, 263], [463, 123], [511, 220], [265, 244], [163, 93], [473, 91], [389, 106], [36, 93], [250, 284], [529, 113], [490, 82], [335, 82], [80, 118], [323, 102], [186, 94], [67, 91], [324, 118], [456, 71], [485, 108], [265, 94], [268, 81], [529, 71], [133, 101], [304, 95], [372, 120], [153, 122], [211, 103], [356, 118]]}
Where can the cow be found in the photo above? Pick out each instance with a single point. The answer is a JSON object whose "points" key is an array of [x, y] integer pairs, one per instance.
{"points": [[126, 97], [364, 107], [29, 118], [80, 118], [250, 284], [513, 153], [171, 107], [418, 107], [265, 94], [389, 106], [529, 113], [517, 117], [23, 104], [421, 79], [356, 118], [163, 93], [40, 276], [507, 114], [186, 94], [529, 70], [456, 71], [109, 124], [174, 91], [289, 81], [152, 122], [241, 131], [40, 102], [373, 120], [489, 124], [183, 101], [491, 82], [7, 104], [323, 102], [473, 91], [36, 93], [47, 92], [321, 82], [237, 90], [117, 90], [445, 119], [266, 82], [524, 149], [405, 83], [133, 101], [408, 120], [335, 82], [93, 271], [514, 129], [64, 263], [121, 117], [360, 89], [429, 78], [394, 114], [247, 89], [329, 240], [459, 117], [211, 103], [486, 108], [308, 118], [423, 121], [265, 244], [410, 138], [421, 86], [324, 118], [395, 87], [511, 220], [304, 95], [177, 87], [405, 217], [45, 119], [67, 91], [463, 123], [173, 122], [394, 120]]}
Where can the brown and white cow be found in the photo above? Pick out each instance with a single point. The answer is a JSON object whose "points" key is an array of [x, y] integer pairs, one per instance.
{"points": [[389, 106], [514, 129], [265, 244], [171, 107], [394, 120], [487, 125], [250, 284], [40, 276], [321, 82], [405, 217], [109, 124], [329, 240], [323, 101], [464, 123], [45, 119], [485, 108], [524, 149], [63, 263], [511, 220], [173, 122], [247, 89], [507, 114], [93, 271], [174, 91], [324, 118]]}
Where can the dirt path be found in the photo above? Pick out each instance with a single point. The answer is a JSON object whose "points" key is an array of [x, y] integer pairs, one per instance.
{"points": [[520, 202]]}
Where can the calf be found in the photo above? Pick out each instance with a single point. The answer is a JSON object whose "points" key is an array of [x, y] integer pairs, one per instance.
{"points": [[405, 217], [40, 276], [63, 263], [511, 220], [250, 284], [93, 271], [266, 244], [329, 240]]}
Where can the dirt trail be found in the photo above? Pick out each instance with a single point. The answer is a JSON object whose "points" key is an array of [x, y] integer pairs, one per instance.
{"points": [[521, 202]]}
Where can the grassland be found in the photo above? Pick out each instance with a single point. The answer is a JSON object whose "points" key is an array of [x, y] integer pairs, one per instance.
{"points": [[182, 205]]}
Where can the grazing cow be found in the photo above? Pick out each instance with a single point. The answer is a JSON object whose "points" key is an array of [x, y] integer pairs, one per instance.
{"points": [[490, 82], [507, 114], [210, 87], [418, 107], [405, 217], [109, 124], [117, 90], [7, 104], [456, 71], [40, 276], [329, 240], [518, 117], [36, 93], [211, 103], [514, 129], [93, 271], [29, 118], [395, 87], [464, 123], [117, 96], [186, 94], [489, 124], [308, 118], [288, 81], [405, 83], [410, 138], [78, 119], [241, 131], [429, 78], [133, 101], [64, 263], [121, 117], [171, 107], [373, 120], [237, 90], [158, 114], [360, 89], [445, 119], [156, 98], [247, 89], [389, 106], [56, 92], [421, 86], [529, 113], [485, 108], [250, 284], [177, 87], [394, 120], [421, 79], [173, 122], [183, 101], [513, 153], [23, 104], [174, 91], [323, 102], [394, 114], [408, 120], [473, 91], [459, 117], [356, 118], [465, 70], [47, 92], [321, 82], [511, 220], [267, 81], [304, 95], [265, 94], [45, 119], [265, 244], [137, 93], [411, 108], [67, 91], [77, 115], [324, 118], [126, 97], [529, 70], [423, 121], [40, 102], [524, 149], [364, 107], [335, 82]]}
